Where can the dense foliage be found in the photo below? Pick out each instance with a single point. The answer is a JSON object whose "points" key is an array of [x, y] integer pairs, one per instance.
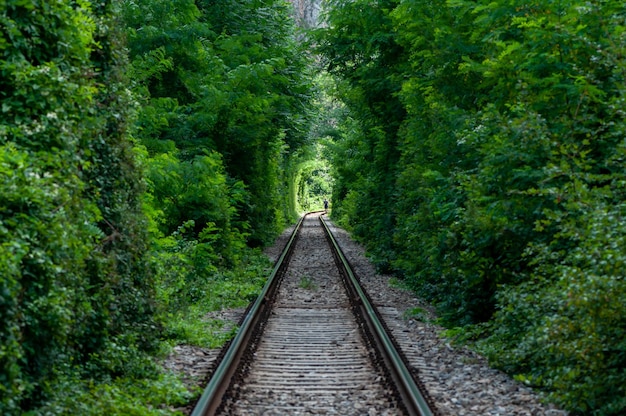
{"points": [[75, 284], [483, 160], [224, 81], [149, 147], [145, 148]]}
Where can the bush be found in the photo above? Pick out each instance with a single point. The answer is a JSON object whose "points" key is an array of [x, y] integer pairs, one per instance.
{"points": [[155, 396], [74, 278], [564, 329]]}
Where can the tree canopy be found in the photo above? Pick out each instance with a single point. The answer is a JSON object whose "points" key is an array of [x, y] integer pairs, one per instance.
{"points": [[483, 161]]}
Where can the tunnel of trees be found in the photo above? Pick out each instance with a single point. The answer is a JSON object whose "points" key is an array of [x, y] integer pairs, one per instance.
{"points": [[150, 148]]}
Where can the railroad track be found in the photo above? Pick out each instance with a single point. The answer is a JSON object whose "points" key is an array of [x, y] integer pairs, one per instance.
{"points": [[312, 344]]}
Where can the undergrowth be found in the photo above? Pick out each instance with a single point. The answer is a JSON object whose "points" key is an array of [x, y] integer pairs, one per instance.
{"points": [[146, 388]]}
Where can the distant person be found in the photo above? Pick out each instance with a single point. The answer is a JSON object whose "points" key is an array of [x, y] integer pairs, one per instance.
{"points": [[325, 204]]}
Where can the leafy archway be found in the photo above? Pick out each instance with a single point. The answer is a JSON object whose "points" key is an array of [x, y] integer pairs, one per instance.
{"points": [[313, 180]]}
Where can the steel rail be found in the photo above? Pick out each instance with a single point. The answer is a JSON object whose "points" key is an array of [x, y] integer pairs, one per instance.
{"points": [[220, 380], [413, 398]]}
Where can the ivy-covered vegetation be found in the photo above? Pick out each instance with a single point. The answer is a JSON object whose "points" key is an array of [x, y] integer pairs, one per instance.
{"points": [[75, 282], [146, 148], [483, 161]]}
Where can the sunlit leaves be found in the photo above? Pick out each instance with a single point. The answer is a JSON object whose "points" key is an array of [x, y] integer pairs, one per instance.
{"points": [[230, 80], [70, 223]]}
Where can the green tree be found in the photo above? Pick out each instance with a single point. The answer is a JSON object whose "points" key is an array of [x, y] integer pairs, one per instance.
{"points": [[74, 282], [359, 48], [228, 78], [506, 172]]}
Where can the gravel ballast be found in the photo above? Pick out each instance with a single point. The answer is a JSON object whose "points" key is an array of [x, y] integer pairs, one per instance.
{"points": [[459, 380]]}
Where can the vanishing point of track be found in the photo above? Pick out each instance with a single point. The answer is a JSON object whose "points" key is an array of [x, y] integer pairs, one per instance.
{"points": [[312, 343]]}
